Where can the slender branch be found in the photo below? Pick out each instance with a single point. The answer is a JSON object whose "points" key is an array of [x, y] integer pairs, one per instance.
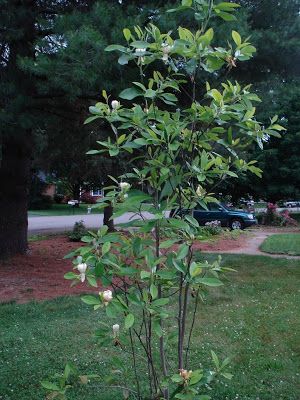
{"points": [[179, 318], [191, 328]]}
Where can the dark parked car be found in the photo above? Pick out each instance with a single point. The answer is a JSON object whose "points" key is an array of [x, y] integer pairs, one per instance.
{"points": [[234, 219]]}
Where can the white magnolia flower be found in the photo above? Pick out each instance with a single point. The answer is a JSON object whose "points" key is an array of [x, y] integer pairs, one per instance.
{"points": [[124, 186], [139, 51], [107, 296], [116, 330], [115, 104], [166, 50], [82, 269], [200, 191]]}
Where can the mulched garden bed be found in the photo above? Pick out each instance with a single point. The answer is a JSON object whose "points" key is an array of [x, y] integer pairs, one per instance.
{"points": [[39, 274]]}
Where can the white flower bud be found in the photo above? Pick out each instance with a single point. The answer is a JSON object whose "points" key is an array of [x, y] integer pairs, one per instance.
{"points": [[115, 104], [82, 269], [200, 191], [124, 186], [116, 330], [107, 296]]}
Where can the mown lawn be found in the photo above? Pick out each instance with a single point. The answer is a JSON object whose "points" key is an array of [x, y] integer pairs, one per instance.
{"points": [[63, 209], [288, 243], [254, 319]]}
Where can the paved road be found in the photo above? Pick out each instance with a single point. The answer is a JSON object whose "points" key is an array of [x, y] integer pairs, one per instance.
{"points": [[38, 225], [55, 224]]}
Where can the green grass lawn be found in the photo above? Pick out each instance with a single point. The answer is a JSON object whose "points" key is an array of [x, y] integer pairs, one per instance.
{"points": [[254, 319], [288, 243], [63, 209]]}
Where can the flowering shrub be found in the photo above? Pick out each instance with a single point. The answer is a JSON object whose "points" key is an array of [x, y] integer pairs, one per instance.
{"points": [[273, 217], [149, 286], [287, 220], [213, 227]]}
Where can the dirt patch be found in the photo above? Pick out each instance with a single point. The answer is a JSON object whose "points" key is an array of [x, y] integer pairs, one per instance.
{"points": [[39, 275]]}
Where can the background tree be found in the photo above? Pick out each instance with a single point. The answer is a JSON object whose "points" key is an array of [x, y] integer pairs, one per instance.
{"points": [[51, 63]]}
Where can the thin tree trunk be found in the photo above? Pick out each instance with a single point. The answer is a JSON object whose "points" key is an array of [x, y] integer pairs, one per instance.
{"points": [[108, 212], [14, 184]]}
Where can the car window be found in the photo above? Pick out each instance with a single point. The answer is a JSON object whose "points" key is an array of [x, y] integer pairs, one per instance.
{"points": [[214, 206], [200, 208]]}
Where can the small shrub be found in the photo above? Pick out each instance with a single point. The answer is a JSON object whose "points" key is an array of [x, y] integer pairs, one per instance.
{"points": [[78, 232], [213, 227], [58, 198]]}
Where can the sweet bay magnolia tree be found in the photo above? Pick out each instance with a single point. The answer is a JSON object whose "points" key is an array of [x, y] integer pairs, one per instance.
{"points": [[149, 275]]}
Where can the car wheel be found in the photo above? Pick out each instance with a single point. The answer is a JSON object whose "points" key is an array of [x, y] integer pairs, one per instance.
{"points": [[236, 224]]}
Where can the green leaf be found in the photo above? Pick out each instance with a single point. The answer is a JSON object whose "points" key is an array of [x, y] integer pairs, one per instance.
{"points": [[140, 44], [196, 376], [91, 300], [182, 251], [130, 93], [70, 275], [216, 95], [210, 282], [127, 34], [153, 291], [227, 375], [90, 119], [92, 281], [176, 378], [150, 93], [160, 302], [50, 386], [236, 37], [226, 6], [129, 321], [167, 243], [187, 3], [226, 16], [145, 274], [114, 47], [215, 359], [106, 247]]}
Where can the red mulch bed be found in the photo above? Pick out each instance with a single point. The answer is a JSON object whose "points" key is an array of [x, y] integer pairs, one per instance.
{"points": [[39, 275]]}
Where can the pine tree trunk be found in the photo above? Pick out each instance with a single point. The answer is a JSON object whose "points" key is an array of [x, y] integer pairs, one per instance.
{"points": [[108, 212], [14, 183]]}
